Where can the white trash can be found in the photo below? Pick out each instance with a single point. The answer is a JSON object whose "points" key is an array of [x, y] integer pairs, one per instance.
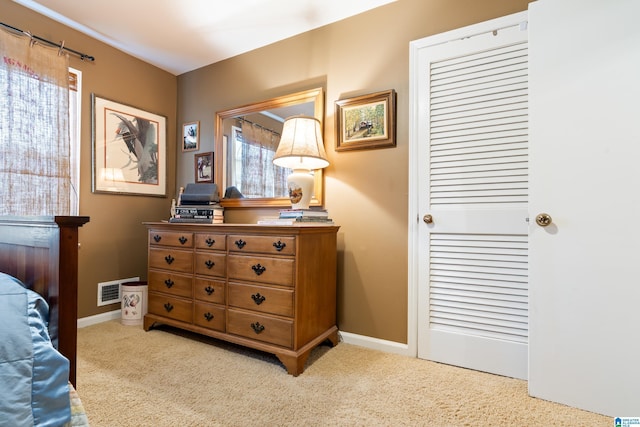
{"points": [[134, 302]]}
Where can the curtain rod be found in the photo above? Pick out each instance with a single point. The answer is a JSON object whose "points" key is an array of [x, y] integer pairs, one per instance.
{"points": [[258, 125], [82, 56]]}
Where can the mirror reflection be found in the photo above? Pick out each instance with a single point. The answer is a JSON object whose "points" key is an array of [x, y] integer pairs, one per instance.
{"points": [[247, 138]]}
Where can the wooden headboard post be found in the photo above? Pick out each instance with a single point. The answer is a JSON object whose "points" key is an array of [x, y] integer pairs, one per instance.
{"points": [[68, 291], [42, 252]]}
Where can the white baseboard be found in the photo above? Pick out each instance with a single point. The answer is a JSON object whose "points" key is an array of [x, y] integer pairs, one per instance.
{"points": [[99, 318], [376, 344], [347, 337]]}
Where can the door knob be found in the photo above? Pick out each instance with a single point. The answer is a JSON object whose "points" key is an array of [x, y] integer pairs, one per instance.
{"points": [[543, 219], [428, 219]]}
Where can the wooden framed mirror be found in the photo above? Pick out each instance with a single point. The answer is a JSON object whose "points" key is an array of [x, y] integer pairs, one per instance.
{"points": [[267, 116]]}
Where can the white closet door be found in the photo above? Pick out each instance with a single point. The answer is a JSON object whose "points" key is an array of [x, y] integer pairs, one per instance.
{"points": [[471, 89], [585, 173]]}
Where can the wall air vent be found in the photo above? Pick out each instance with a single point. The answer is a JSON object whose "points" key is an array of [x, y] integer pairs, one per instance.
{"points": [[110, 292]]}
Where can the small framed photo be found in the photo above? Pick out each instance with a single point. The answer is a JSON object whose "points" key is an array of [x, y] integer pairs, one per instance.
{"points": [[191, 136], [366, 122], [203, 164]]}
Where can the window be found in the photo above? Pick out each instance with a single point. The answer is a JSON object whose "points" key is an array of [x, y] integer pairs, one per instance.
{"points": [[39, 172], [75, 114], [253, 172]]}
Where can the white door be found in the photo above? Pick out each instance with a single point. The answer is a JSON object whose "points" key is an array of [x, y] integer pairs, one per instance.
{"points": [[469, 148], [585, 173]]}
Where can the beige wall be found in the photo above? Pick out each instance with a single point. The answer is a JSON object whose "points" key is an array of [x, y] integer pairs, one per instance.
{"points": [[113, 243], [366, 192]]}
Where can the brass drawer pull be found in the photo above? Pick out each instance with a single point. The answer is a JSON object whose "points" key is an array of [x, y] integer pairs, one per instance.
{"points": [[257, 298], [182, 240], [169, 259], [168, 283], [208, 316], [279, 245], [209, 264], [240, 243], [210, 242], [209, 290], [168, 306], [258, 269], [257, 327], [157, 238]]}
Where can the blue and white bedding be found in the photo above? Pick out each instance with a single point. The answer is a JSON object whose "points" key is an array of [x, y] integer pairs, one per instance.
{"points": [[34, 387]]}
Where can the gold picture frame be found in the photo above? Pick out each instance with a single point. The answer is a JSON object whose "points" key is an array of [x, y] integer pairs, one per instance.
{"points": [[366, 122]]}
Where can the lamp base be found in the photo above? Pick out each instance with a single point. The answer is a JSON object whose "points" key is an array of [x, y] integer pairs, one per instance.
{"points": [[300, 185]]}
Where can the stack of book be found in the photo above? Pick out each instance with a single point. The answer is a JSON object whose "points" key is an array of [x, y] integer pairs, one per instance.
{"points": [[198, 203], [209, 214], [298, 216]]}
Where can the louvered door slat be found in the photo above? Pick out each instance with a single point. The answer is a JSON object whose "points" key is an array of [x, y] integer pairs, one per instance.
{"points": [[501, 113], [471, 184], [479, 256], [476, 153], [487, 170], [501, 320], [506, 93], [511, 297], [492, 110], [489, 304], [471, 77], [507, 159], [483, 105], [497, 55], [500, 263], [490, 309], [484, 137]]}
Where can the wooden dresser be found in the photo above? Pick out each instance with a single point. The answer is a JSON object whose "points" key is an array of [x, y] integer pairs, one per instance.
{"points": [[272, 288]]}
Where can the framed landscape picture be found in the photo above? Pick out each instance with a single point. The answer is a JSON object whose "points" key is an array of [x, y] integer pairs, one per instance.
{"points": [[191, 136], [366, 122], [129, 149]]}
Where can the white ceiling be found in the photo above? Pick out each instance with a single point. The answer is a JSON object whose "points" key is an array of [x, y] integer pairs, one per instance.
{"points": [[182, 35]]}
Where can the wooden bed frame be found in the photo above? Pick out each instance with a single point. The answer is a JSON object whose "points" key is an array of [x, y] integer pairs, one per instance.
{"points": [[42, 252]]}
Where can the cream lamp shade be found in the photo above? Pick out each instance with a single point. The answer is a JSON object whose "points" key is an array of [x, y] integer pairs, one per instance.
{"points": [[301, 148]]}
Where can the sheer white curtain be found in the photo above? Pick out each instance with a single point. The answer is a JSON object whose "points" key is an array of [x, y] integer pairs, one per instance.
{"points": [[34, 128], [260, 177]]}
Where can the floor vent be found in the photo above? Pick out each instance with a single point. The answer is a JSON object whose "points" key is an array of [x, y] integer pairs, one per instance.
{"points": [[110, 292]]}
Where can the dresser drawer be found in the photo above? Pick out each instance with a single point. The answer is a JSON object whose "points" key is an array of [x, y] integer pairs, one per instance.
{"points": [[173, 308], [260, 327], [211, 264], [171, 259], [277, 245], [174, 284], [211, 241], [209, 316], [278, 271], [261, 298], [171, 238], [209, 290]]}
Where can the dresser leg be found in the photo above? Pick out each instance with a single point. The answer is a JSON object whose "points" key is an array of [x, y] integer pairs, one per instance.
{"points": [[148, 323], [333, 337], [294, 365]]}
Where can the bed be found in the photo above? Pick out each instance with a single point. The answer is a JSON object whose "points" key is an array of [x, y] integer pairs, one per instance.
{"points": [[42, 253]]}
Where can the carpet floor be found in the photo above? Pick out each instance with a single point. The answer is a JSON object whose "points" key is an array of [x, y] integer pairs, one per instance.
{"points": [[166, 377]]}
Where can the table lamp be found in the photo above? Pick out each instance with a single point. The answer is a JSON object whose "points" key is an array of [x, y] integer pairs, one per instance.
{"points": [[301, 148]]}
